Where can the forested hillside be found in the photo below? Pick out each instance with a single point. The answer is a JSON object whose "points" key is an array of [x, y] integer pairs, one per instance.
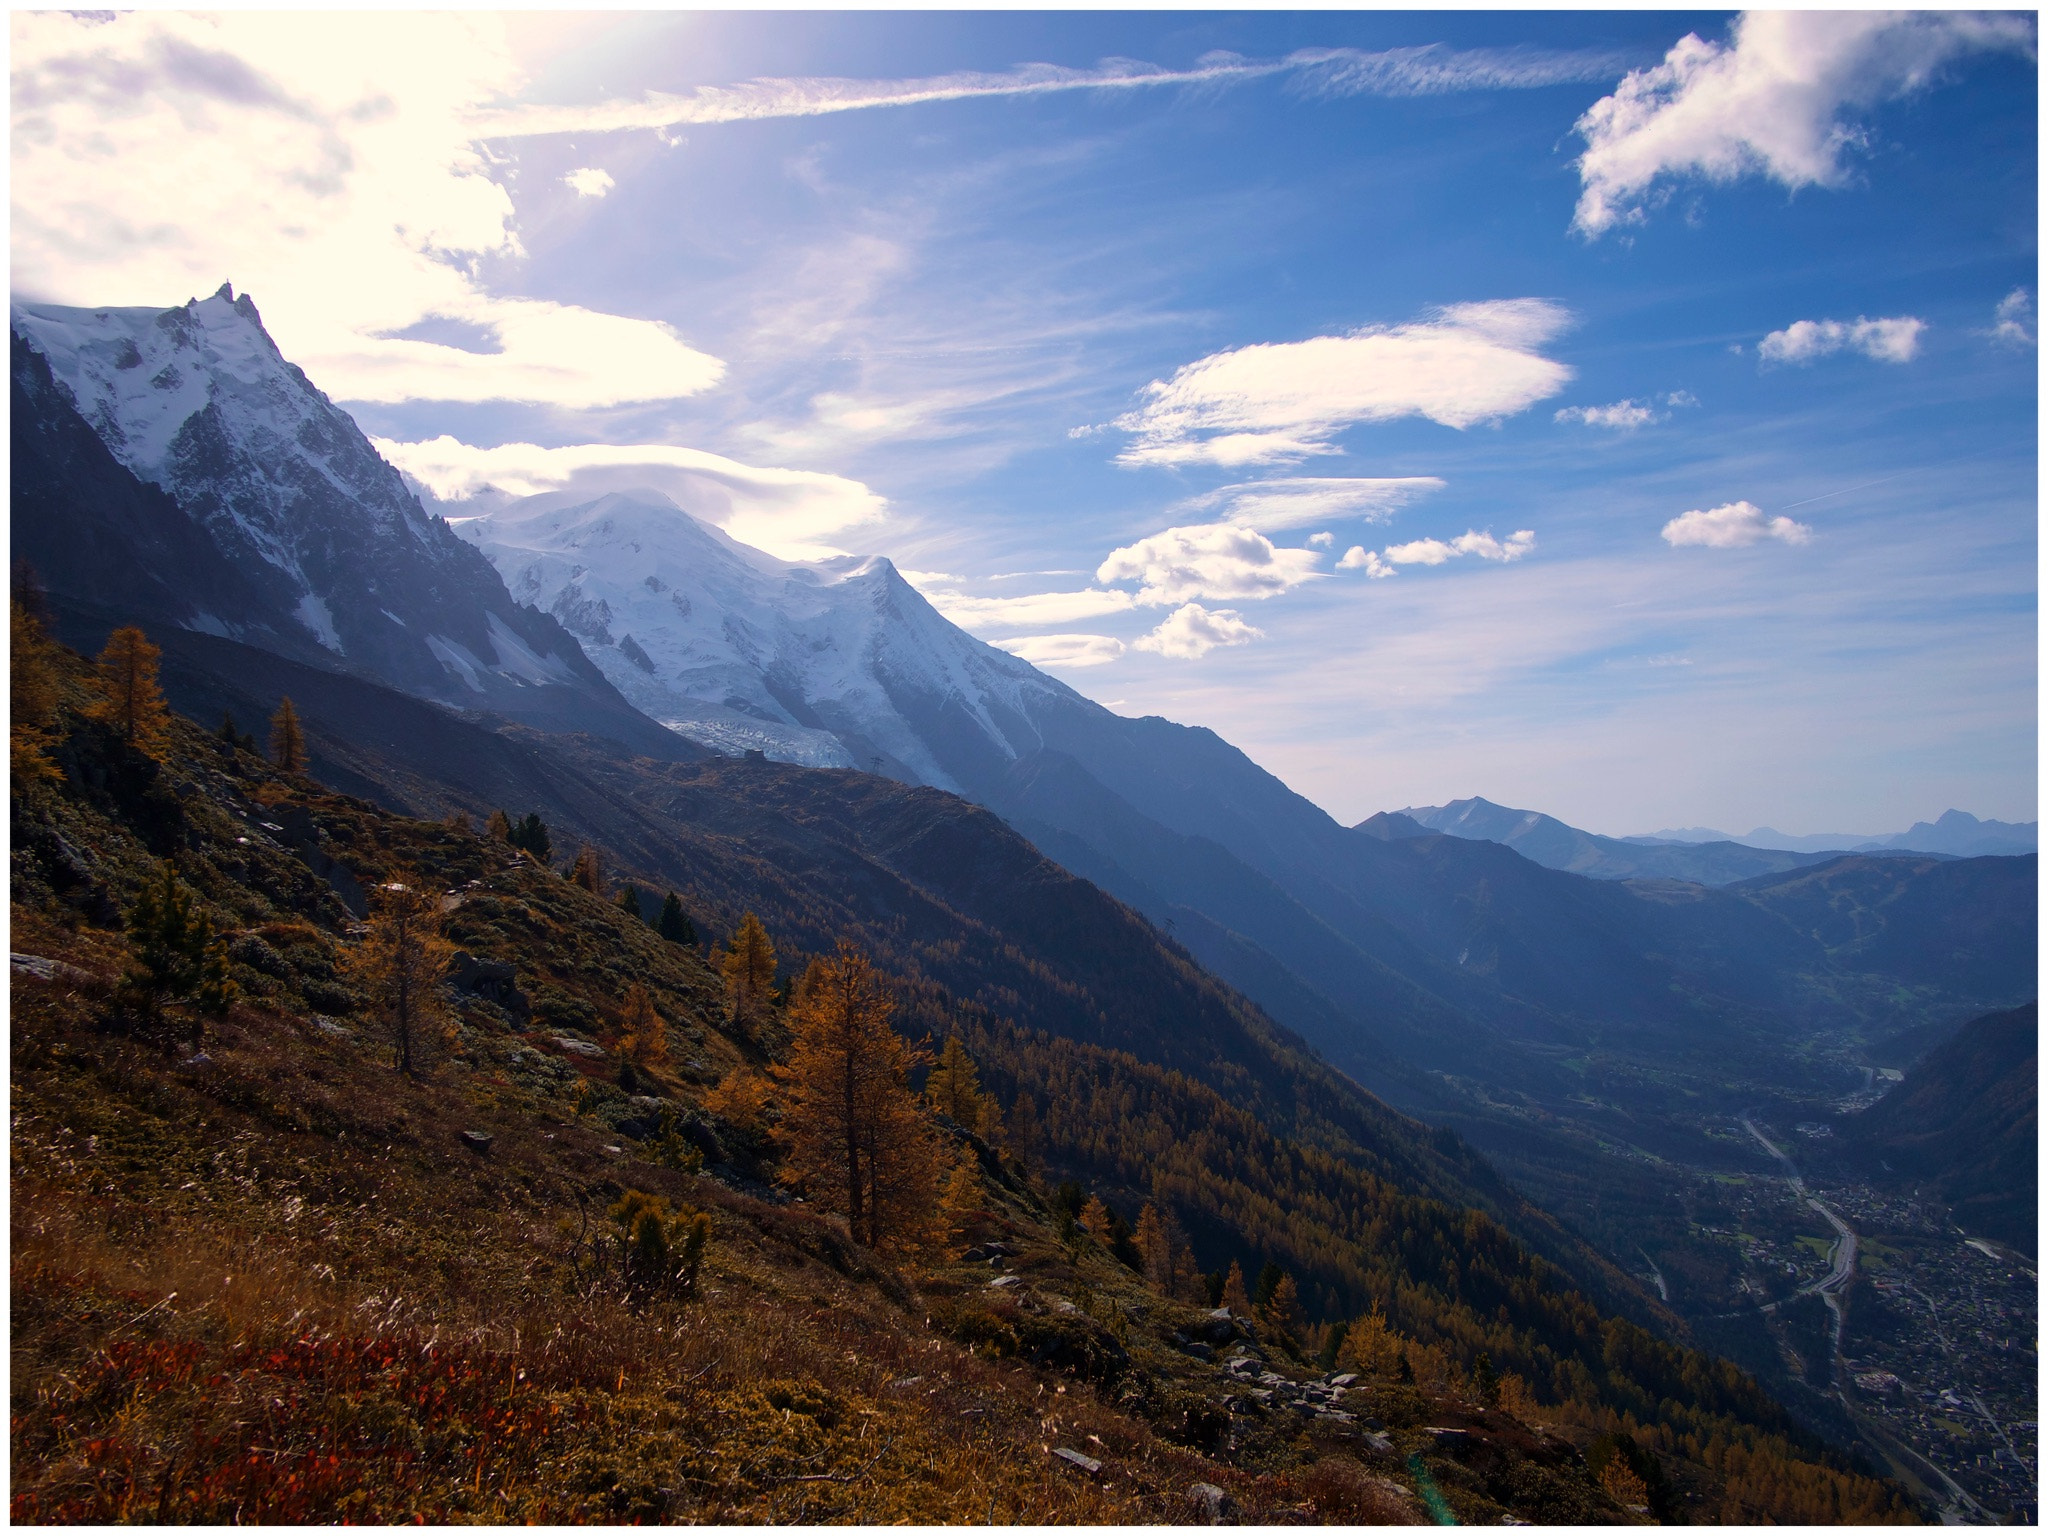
{"points": [[261, 1272]]}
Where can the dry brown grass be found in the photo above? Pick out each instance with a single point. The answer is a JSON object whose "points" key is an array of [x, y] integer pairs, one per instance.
{"points": [[275, 1288]]}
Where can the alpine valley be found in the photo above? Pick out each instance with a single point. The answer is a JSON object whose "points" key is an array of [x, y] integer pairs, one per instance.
{"points": [[1540, 1107]]}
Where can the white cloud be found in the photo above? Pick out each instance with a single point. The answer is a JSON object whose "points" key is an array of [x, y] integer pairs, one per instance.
{"points": [[1192, 631], [1622, 416], [326, 163], [1357, 557], [1735, 526], [1208, 560], [1774, 101], [788, 512], [1428, 70], [2014, 321], [1065, 650], [1321, 540], [1032, 608], [1894, 340], [1484, 545], [1301, 501], [589, 181], [1280, 401]]}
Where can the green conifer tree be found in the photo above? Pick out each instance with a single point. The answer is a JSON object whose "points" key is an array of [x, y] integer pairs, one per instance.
{"points": [[674, 923]]}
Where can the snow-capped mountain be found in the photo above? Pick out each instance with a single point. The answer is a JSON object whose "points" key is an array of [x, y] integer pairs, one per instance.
{"points": [[334, 558], [831, 663]]}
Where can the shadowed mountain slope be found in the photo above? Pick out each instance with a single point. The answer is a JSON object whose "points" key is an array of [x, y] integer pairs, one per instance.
{"points": [[1963, 1125]]}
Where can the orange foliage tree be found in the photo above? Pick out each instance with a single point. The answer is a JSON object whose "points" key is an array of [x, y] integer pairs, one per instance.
{"points": [[130, 699], [856, 1137]]}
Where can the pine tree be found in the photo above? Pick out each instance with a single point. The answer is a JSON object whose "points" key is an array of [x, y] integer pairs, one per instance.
{"points": [[130, 699], [586, 871], [174, 951], [499, 828], [643, 1036], [32, 700], [659, 1250], [674, 923], [399, 963], [857, 1139], [629, 901], [749, 967], [531, 834]]}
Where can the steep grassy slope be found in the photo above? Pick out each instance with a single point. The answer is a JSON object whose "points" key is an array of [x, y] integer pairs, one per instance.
{"points": [[266, 1279]]}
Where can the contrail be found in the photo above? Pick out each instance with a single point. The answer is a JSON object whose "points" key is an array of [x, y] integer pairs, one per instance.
{"points": [[1845, 490], [1429, 70]]}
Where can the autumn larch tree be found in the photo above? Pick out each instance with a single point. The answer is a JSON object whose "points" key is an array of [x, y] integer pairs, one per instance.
{"points": [[287, 740], [399, 963], [499, 828], [1096, 1220], [130, 699], [856, 1136], [954, 1090], [965, 1194], [32, 699], [1235, 1296], [643, 1036], [749, 967], [587, 871]]}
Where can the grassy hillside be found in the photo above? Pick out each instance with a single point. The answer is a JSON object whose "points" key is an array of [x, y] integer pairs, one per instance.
{"points": [[259, 1275]]}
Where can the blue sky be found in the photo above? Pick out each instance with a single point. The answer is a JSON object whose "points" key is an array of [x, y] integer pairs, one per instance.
{"points": [[1631, 417]]}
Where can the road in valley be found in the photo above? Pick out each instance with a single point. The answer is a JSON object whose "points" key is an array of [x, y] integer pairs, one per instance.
{"points": [[1958, 1508]]}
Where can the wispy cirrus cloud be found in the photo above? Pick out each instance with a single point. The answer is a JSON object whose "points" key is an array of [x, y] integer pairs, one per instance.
{"points": [[1303, 501], [2013, 322], [1775, 101], [1893, 340], [1430, 70], [1737, 525], [1276, 402], [1027, 608]]}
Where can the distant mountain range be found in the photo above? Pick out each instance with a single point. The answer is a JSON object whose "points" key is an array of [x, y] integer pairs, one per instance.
{"points": [[1695, 853], [1953, 832], [259, 535], [1551, 843]]}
